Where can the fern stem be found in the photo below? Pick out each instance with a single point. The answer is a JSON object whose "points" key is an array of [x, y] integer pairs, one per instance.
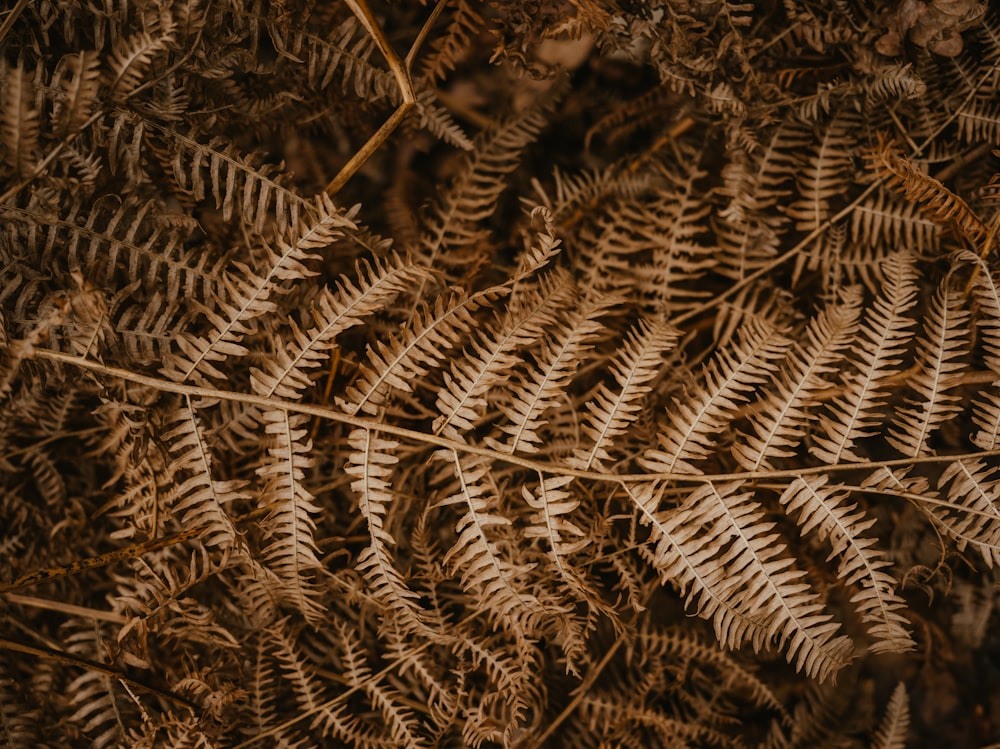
{"points": [[486, 452]]}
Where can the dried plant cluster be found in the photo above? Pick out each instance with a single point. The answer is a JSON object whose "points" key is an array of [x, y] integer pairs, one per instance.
{"points": [[639, 390]]}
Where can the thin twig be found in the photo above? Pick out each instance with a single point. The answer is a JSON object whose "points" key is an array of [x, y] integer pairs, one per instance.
{"points": [[400, 73], [85, 663], [12, 17], [64, 608]]}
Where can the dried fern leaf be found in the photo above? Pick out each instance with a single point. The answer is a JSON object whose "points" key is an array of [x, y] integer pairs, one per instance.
{"points": [[490, 359], [986, 286], [291, 552], [821, 512], [891, 732], [449, 48], [552, 503], [545, 244], [370, 464], [673, 230], [611, 412], [102, 244], [695, 421], [408, 356], [281, 644], [979, 122], [437, 120], [375, 284], [101, 712], [681, 647], [200, 498], [824, 174], [455, 223], [541, 387], [884, 336], [779, 427], [233, 179], [20, 722], [884, 220], [973, 518], [19, 122], [936, 201], [131, 59], [344, 59], [940, 351], [576, 196], [495, 581], [722, 555], [397, 719], [247, 296], [986, 415], [79, 92], [505, 705]]}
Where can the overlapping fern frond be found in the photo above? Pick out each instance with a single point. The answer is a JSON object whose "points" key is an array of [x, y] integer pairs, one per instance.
{"points": [[626, 387]]}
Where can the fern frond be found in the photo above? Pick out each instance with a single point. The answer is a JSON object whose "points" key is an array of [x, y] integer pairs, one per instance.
{"points": [[575, 196], [454, 224], [545, 244], [19, 122], [344, 58], [101, 713], [542, 387], [370, 464], [980, 121], [986, 414], [232, 179], [779, 427], [291, 553], [377, 284], [132, 57], [20, 723], [885, 334], [79, 92], [103, 244], [823, 513], [824, 174], [731, 568], [884, 220], [552, 503], [299, 674], [490, 359], [398, 720], [733, 374], [672, 229], [939, 352], [247, 296], [974, 517], [639, 361], [477, 559], [936, 201], [412, 353], [463, 23], [683, 649], [500, 711], [986, 286], [200, 498], [437, 120], [891, 733]]}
